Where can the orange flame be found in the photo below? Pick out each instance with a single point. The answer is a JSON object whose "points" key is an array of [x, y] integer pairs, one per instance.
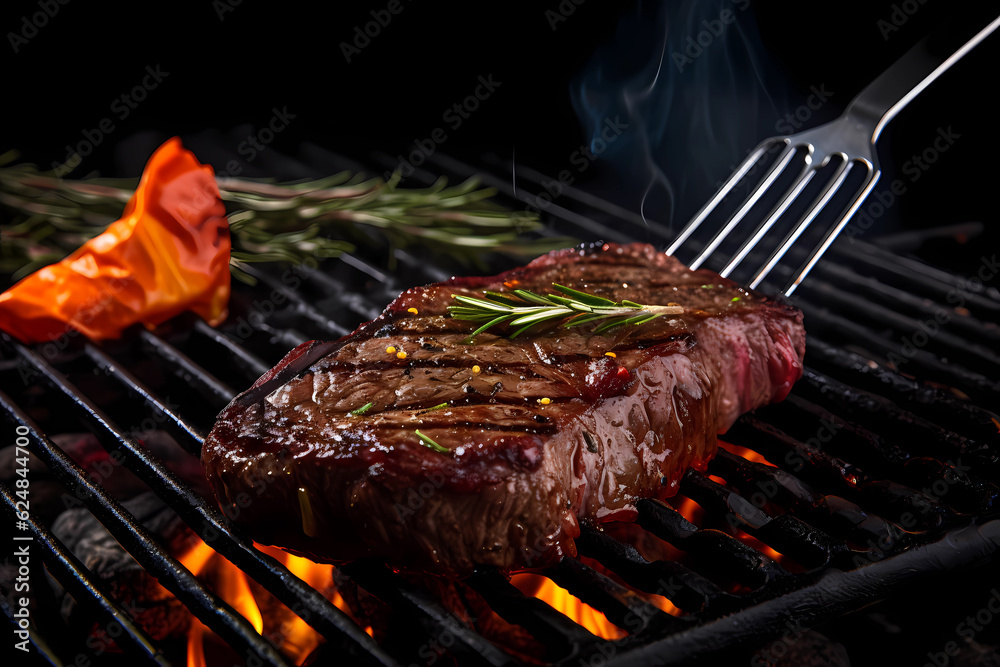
{"points": [[295, 638], [567, 604], [688, 508], [748, 454]]}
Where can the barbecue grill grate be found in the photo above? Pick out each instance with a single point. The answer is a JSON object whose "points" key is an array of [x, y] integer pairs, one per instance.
{"points": [[834, 508]]}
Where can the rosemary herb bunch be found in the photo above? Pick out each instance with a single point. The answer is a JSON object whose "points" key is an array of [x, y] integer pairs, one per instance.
{"points": [[525, 309], [44, 218]]}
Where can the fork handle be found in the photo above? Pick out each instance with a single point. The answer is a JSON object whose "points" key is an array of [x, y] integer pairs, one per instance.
{"points": [[906, 78]]}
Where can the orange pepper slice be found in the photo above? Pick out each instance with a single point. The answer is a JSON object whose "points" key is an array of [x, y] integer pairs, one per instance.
{"points": [[169, 253]]}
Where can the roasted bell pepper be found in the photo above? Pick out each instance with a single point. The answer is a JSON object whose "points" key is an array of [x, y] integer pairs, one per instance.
{"points": [[169, 253]]}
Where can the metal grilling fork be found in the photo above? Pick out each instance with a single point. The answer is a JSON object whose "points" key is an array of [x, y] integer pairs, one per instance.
{"points": [[851, 137]]}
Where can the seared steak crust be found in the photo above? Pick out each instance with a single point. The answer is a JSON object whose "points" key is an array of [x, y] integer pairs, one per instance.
{"points": [[522, 472]]}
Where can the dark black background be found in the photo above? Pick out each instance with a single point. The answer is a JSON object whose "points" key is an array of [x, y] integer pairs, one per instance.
{"points": [[230, 69]]}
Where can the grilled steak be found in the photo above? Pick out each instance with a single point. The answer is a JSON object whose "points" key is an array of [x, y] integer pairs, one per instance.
{"points": [[298, 470]]}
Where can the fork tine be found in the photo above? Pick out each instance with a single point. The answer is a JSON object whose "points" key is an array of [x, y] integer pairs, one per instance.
{"points": [[804, 177], [776, 170], [818, 204], [741, 171], [873, 175]]}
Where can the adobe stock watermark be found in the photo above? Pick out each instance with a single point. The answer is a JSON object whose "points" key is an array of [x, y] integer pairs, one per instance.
{"points": [[767, 489], [631, 623], [256, 142], [32, 23], [417, 496], [580, 159], [434, 648], [454, 117], [259, 481], [967, 629], [956, 298], [792, 122], [120, 109], [261, 309], [562, 12], [777, 649], [364, 34], [695, 45], [931, 496], [914, 168], [88, 310], [223, 7], [898, 16]]}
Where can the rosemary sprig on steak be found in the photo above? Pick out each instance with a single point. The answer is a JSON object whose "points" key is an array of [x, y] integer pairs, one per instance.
{"points": [[524, 309]]}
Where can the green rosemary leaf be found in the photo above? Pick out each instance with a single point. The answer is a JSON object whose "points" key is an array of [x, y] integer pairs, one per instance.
{"points": [[486, 326], [429, 442], [589, 299], [362, 410], [541, 315]]}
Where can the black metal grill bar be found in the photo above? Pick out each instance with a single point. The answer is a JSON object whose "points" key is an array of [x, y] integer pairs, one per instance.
{"points": [[976, 385], [761, 485], [965, 416], [192, 437], [621, 606], [889, 457], [881, 455], [542, 621], [834, 514], [351, 301], [403, 596], [715, 554], [365, 267], [892, 298], [581, 196], [187, 369], [685, 588], [914, 274], [42, 646], [830, 597], [595, 228], [871, 408], [300, 305], [248, 359], [949, 344], [833, 474], [208, 524], [73, 576], [210, 610]]}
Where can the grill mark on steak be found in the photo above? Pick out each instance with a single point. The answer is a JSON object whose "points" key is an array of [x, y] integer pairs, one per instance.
{"points": [[519, 475]]}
